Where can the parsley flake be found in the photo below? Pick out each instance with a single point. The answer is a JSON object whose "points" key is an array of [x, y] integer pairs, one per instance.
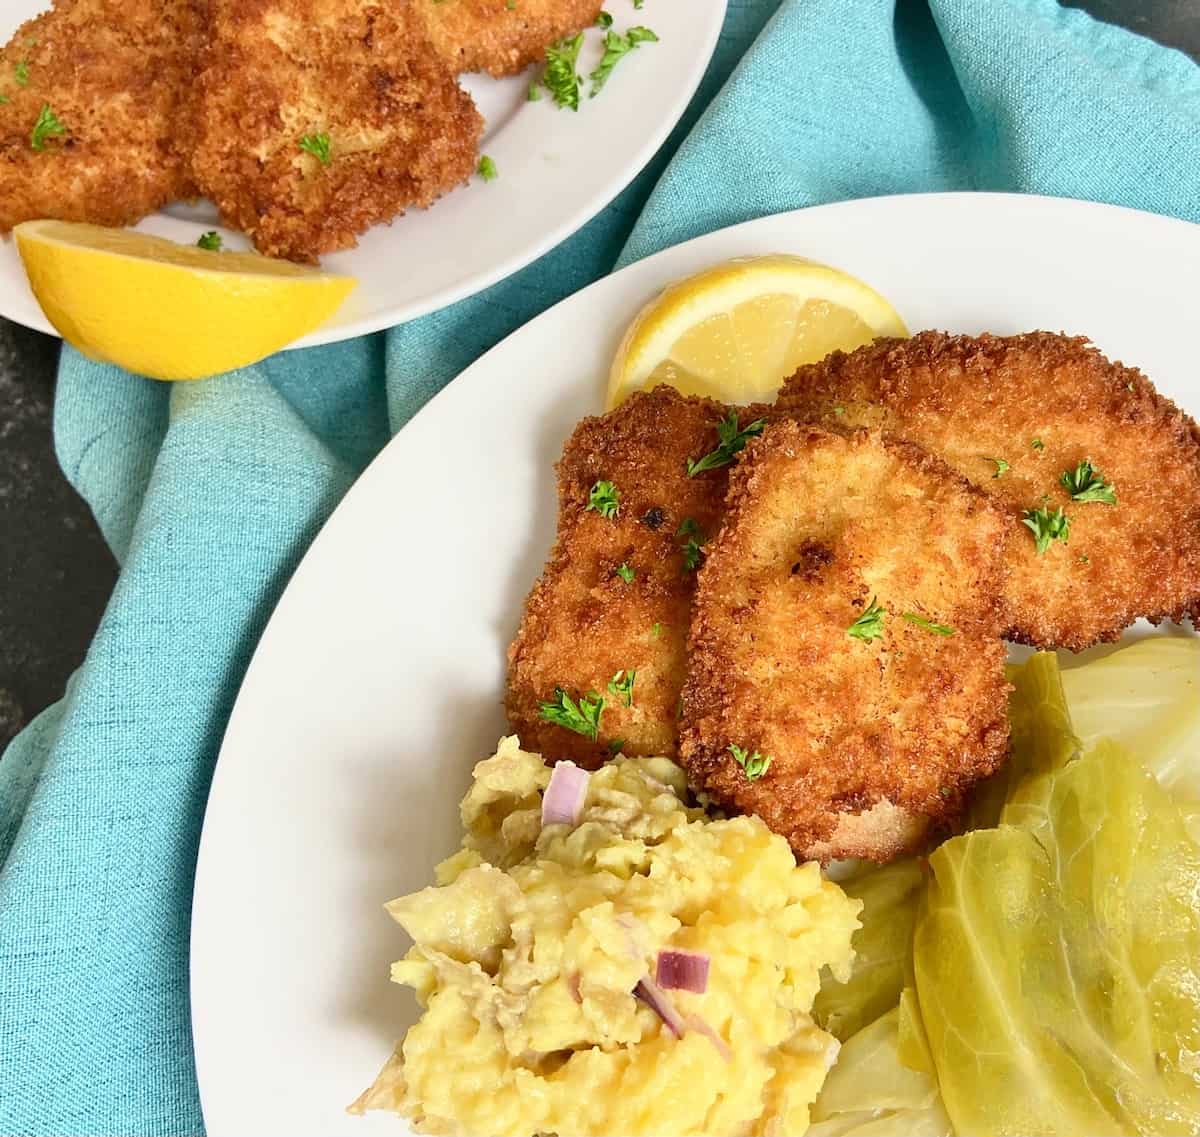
{"points": [[614, 747], [582, 717], [318, 146], [604, 20], [21, 73], [1002, 467], [656, 631], [1037, 444], [626, 573], [605, 499], [1047, 526], [511, 5], [616, 47], [4, 99], [869, 626], [47, 126], [487, 169], [731, 441], [560, 77], [210, 241], [928, 625], [621, 686], [693, 545], [535, 91], [755, 765], [1086, 483]]}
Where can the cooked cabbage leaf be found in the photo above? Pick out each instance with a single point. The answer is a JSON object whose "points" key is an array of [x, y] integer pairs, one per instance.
{"points": [[869, 1090], [1146, 697], [883, 949], [1041, 736], [1057, 959]]}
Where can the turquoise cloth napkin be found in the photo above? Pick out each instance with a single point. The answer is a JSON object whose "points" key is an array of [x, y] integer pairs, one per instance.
{"points": [[210, 492]]}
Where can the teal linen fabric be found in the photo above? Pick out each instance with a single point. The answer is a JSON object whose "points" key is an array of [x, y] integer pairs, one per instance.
{"points": [[210, 492]]}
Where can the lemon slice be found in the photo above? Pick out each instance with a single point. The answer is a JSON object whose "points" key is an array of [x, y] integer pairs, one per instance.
{"points": [[165, 310], [735, 331]]}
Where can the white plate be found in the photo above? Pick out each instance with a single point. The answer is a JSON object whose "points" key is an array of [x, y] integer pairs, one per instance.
{"points": [[557, 169], [377, 684]]}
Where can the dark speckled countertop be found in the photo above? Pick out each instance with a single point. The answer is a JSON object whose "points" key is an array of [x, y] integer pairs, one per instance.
{"points": [[56, 573]]}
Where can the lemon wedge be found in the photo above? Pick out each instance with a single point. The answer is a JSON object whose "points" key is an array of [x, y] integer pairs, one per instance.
{"points": [[165, 310], [735, 331]]}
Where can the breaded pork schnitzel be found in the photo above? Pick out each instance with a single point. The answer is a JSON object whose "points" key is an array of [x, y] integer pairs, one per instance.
{"points": [[96, 110], [1043, 423], [615, 597], [846, 627], [500, 37], [320, 118]]}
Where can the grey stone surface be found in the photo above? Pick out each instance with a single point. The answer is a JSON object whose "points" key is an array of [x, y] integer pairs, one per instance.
{"points": [[55, 571]]}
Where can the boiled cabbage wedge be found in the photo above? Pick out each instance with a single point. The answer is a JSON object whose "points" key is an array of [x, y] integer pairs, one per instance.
{"points": [[870, 1091], [882, 947], [1057, 959]]}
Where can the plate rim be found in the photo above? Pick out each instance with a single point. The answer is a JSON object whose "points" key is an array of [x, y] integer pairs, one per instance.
{"points": [[675, 104], [377, 468]]}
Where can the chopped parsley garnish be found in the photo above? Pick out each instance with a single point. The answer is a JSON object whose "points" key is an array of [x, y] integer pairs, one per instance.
{"points": [[614, 747], [603, 20], [210, 241], [1002, 467], [605, 499], [582, 717], [839, 410], [535, 91], [693, 545], [869, 626], [621, 686], [318, 146], [755, 765], [731, 440], [616, 47], [21, 73], [487, 169], [511, 5], [656, 631], [638, 4], [560, 77], [1037, 444], [1086, 483], [1047, 526], [4, 99], [47, 126], [928, 625], [626, 573]]}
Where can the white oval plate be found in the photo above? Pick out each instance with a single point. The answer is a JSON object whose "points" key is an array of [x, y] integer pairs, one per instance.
{"points": [[558, 169], [378, 682]]}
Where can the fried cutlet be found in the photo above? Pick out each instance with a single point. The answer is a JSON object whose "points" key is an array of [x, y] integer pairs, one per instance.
{"points": [[384, 123], [1014, 415], [873, 741], [501, 37], [584, 621], [96, 110]]}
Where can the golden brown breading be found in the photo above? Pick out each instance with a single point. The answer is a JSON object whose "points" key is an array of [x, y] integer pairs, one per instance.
{"points": [[975, 399], [583, 623], [501, 37], [118, 75], [874, 742], [401, 131]]}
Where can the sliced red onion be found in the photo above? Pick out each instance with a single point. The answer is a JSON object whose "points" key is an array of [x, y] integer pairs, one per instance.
{"points": [[695, 1022], [657, 1000], [682, 971], [562, 803]]}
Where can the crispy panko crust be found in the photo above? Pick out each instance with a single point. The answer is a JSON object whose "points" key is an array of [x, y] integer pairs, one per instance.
{"points": [[119, 75], [497, 36], [972, 399], [402, 131], [873, 745], [582, 622]]}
